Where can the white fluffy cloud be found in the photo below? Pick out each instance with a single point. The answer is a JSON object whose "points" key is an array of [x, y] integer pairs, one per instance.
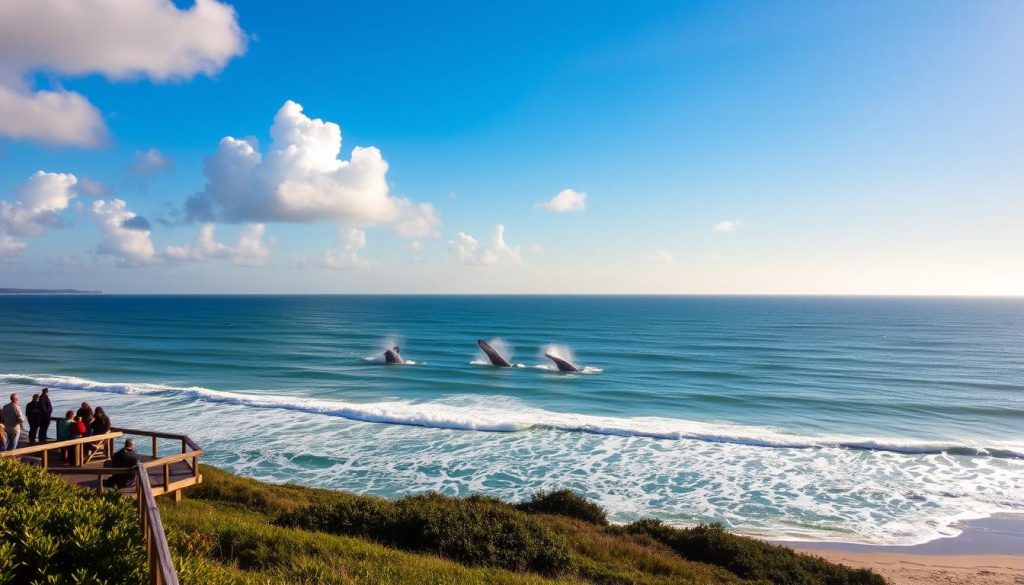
{"points": [[467, 250], [37, 203], [345, 253], [249, 248], [150, 162], [50, 117], [122, 236], [728, 225], [566, 201], [119, 39], [302, 180]]}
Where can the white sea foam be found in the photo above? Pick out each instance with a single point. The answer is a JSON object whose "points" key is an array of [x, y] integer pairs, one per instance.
{"points": [[507, 415], [681, 471]]}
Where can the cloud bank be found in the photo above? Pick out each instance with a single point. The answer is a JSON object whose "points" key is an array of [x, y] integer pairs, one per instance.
{"points": [[119, 39], [301, 179], [468, 251], [566, 201]]}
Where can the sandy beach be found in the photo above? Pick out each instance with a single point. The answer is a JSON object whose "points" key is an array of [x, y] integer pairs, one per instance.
{"points": [[989, 551]]}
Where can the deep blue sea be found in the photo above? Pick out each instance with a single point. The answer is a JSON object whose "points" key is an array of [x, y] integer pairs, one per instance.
{"points": [[878, 420]]}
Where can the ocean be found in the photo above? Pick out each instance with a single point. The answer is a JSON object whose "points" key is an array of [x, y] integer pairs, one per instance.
{"points": [[868, 420]]}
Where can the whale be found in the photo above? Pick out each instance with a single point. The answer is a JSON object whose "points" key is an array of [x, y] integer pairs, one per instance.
{"points": [[392, 356], [493, 355], [563, 366]]}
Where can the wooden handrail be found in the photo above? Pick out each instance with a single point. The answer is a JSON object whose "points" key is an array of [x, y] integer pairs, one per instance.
{"points": [[184, 438], [40, 447], [158, 553]]}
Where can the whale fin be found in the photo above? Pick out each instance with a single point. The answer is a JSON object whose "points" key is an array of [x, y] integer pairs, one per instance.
{"points": [[493, 355], [563, 366]]}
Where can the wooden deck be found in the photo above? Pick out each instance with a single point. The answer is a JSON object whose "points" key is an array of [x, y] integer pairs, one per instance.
{"points": [[181, 473], [168, 474]]}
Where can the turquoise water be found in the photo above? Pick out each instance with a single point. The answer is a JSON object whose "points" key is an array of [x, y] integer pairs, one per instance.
{"points": [[856, 419]]}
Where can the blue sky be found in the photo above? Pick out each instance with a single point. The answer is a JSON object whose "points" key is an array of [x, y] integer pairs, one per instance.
{"points": [[844, 148]]}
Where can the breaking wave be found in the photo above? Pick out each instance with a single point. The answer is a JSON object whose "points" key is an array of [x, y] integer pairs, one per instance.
{"points": [[509, 415]]}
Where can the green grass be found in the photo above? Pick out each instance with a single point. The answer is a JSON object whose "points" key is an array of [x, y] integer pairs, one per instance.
{"points": [[236, 530]]}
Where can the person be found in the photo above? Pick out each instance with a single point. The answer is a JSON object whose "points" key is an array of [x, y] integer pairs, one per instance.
{"points": [[3, 438], [125, 457], [44, 417], [12, 420], [64, 429], [33, 412], [85, 413], [100, 422], [100, 425]]}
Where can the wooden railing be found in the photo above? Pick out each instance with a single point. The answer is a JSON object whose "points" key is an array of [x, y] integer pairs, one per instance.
{"points": [[190, 454]]}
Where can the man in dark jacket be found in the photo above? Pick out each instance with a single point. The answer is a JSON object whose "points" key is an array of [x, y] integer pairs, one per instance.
{"points": [[33, 412], [46, 411], [126, 457]]}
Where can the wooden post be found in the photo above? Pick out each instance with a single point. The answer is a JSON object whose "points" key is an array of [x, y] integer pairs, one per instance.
{"points": [[154, 447], [46, 459], [167, 477]]}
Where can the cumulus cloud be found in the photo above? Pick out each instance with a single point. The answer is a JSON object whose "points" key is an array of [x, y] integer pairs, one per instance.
{"points": [[129, 246], [566, 201], [119, 39], [345, 253], [302, 180], [150, 162], [50, 117], [36, 207], [728, 226], [249, 248], [468, 251], [37, 202], [9, 247]]}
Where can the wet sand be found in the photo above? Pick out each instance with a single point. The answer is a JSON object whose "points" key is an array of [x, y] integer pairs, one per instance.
{"points": [[990, 551]]}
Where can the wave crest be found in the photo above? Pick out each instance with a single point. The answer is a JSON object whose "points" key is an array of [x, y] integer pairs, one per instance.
{"points": [[509, 415]]}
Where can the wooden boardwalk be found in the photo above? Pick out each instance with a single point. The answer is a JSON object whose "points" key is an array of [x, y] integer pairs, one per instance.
{"points": [[168, 474]]}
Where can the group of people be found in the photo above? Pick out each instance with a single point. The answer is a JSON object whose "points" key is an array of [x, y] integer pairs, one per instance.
{"points": [[84, 422], [37, 416]]}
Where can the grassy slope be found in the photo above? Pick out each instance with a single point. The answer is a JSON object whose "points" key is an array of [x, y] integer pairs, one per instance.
{"points": [[226, 532]]}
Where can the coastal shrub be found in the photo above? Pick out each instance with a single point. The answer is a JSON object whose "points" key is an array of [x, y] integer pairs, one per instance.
{"points": [[473, 532], [750, 558], [53, 532], [565, 503]]}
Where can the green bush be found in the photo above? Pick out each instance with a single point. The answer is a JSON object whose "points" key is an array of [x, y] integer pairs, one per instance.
{"points": [[474, 532], [750, 558], [565, 503], [53, 532]]}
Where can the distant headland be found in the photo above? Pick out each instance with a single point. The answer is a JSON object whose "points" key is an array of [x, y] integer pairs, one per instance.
{"points": [[48, 291]]}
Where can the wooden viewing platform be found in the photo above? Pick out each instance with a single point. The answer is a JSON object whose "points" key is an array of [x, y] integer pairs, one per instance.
{"points": [[155, 475]]}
